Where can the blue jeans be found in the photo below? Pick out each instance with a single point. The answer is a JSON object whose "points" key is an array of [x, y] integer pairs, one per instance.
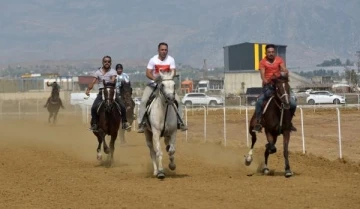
{"points": [[268, 90]]}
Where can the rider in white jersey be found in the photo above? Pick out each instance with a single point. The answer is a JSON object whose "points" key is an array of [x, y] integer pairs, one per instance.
{"points": [[161, 61]]}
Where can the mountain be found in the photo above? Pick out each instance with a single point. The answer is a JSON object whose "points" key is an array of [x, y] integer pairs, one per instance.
{"points": [[33, 30]]}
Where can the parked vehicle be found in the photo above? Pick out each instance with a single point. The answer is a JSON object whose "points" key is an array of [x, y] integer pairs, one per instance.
{"points": [[324, 97], [201, 99]]}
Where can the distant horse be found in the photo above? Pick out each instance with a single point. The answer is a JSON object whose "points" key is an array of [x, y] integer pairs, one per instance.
{"points": [[276, 120], [161, 121], [54, 103], [126, 97], [109, 119]]}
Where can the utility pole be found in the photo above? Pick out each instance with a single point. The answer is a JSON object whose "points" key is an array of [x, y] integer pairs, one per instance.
{"points": [[358, 62], [205, 70]]}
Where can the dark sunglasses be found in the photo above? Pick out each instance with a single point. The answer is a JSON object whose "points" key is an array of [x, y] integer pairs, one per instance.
{"points": [[107, 61]]}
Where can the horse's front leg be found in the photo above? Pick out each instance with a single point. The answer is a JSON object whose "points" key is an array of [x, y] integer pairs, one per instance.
{"points": [[269, 149], [112, 147], [98, 150], [248, 157], [50, 115], [157, 148], [170, 142], [149, 143], [286, 136], [105, 146]]}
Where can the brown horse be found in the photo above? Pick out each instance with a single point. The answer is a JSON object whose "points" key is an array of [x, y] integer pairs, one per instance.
{"points": [[126, 97], [54, 104], [276, 120], [109, 121]]}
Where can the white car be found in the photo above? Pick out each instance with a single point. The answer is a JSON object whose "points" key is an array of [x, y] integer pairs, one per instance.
{"points": [[201, 99], [324, 97]]}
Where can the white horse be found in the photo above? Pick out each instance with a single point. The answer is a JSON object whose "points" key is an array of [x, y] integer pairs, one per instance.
{"points": [[162, 122]]}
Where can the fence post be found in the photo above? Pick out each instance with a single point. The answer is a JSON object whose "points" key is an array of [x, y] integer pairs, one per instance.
{"points": [[339, 131], [186, 122], [224, 126], [247, 125], [205, 139], [19, 109], [302, 129]]}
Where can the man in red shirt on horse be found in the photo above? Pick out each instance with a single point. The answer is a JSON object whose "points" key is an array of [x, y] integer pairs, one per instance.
{"points": [[271, 66]]}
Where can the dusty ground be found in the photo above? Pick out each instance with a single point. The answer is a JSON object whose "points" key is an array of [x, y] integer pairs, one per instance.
{"points": [[45, 166]]}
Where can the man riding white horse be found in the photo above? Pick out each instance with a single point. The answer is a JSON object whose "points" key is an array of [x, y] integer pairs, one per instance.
{"points": [[161, 61], [109, 75]]}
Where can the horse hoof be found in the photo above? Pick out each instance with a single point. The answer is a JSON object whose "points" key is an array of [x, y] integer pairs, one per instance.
{"points": [[266, 171], [248, 160], [99, 157], [172, 166], [107, 151], [288, 173], [160, 175]]}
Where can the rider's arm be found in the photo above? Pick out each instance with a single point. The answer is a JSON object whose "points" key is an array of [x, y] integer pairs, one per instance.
{"points": [[149, 69], [262, 72], [90, 86], [283, 67], [173, 66]]}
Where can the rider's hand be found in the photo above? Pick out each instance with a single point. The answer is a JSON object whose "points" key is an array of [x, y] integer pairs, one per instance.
{"points": [[87, 92], [157, 79], [265, 81]]}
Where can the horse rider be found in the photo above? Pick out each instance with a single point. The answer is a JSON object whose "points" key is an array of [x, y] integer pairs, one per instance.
{"points": [[166, 63], [121, 77], [109, 75], [271, 65], [54, 85]]}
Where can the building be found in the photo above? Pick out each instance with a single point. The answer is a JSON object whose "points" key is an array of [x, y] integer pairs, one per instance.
{"points": [[241, 62]]}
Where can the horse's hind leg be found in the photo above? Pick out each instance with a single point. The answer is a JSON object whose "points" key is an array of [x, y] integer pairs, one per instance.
{"points": [[248, 157], [286, 136], [149, 143], [170, 148]]}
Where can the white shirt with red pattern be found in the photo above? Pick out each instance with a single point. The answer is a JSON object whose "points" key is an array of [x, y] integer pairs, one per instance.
{"points": [[155, 65]]}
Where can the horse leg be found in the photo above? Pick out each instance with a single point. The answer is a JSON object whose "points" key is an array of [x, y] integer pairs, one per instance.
{"points": [[55, 117], [50, 115], [112, 146], [149, 143], [170, 142], [157, 148], [121, 134], [268, 150], [105, 146], [248, 157], [286, 136], [98, 150]]}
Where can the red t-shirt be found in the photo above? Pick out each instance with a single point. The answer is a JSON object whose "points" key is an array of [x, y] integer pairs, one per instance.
{"points": [[271, 69]]}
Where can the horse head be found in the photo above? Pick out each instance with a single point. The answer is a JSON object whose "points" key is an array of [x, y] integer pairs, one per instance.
{"points": [[167, 86], [108, 93], [282, 90], [55, 91]]}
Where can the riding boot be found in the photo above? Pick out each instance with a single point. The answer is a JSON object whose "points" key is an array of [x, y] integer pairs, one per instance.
{"points": [[292, 128], [258, 126], [94, 126], [141, 126]]}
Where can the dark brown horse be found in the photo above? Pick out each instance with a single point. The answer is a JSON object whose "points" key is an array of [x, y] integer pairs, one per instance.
{"points": [[276, 120], [109, 121], [126, 97], [54, 104]]}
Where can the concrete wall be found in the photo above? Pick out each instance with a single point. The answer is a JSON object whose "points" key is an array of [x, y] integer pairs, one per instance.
{"points": [[233, 82]]}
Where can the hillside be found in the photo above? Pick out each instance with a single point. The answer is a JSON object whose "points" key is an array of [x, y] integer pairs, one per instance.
{"points": [[35, 30]]}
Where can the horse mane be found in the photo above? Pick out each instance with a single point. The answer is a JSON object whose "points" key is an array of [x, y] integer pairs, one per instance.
{"points": [[167, 75], [281, 79], [109, 84]]}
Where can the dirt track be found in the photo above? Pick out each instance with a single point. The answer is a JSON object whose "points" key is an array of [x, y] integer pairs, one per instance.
{"points": [[44, 166]]}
